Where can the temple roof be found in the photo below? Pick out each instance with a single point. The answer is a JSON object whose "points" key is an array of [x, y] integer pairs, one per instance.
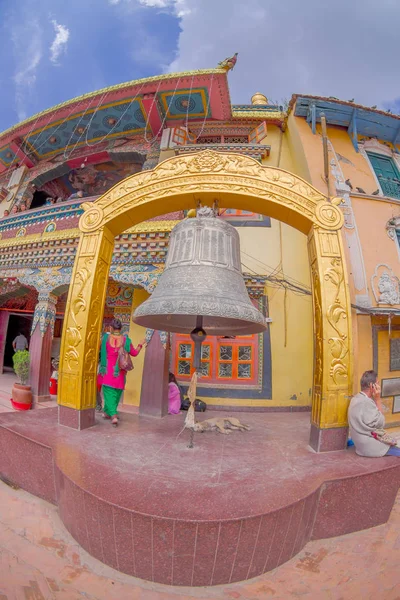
{"points": [[142, 106]]}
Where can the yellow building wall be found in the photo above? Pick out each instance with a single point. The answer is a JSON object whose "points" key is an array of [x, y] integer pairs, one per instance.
{"points": [[137, 334], [282, 249], [383, 366]]}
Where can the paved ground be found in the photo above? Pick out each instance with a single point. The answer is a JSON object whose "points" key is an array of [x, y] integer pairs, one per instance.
{"points": [[7, 380], [39, 560]]}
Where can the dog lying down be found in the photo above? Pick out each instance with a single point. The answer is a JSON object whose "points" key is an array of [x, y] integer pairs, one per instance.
{"points": [[220, 424]]}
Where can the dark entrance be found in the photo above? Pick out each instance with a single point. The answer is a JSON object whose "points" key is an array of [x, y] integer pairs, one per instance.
{"points": [[16, 324], [39, 199]]}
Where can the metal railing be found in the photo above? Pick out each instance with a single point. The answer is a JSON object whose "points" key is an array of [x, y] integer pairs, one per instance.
{"points": [[390, 187]]}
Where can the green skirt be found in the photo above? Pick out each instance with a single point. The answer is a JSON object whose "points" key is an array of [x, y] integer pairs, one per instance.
{"points": [[111, 396]]}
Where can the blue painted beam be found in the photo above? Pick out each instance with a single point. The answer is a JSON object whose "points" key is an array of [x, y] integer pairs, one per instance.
{"points": [[396, 139], [312, 117], [352, 129]]}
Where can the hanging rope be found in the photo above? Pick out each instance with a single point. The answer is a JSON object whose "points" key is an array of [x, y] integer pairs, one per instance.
{"points": [[165, 116], [190, 420], [188, 105], [80, 136], [150, 111], [208, 107], [115, 125]]}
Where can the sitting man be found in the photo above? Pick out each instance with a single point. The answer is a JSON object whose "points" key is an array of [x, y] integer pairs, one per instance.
{"points": [[365, 416]]}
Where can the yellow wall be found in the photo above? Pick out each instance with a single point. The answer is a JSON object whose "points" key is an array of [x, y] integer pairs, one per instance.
{"points": [[283, 249], [383, 351], [136, 333]]}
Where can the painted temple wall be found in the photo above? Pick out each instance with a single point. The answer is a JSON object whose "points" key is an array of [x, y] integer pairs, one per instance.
{"points": [[371, 337], [137, 334]]}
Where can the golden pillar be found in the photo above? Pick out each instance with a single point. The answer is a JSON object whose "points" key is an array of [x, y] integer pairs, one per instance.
{"points": [[82, 326], [332, 384], [137, 334]]}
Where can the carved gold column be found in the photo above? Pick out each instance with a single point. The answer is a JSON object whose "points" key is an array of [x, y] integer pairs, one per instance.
{"points": [[82, 326], [332, 335]]}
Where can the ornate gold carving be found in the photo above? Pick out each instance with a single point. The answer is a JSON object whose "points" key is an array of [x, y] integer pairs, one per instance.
{"points": [[92, 218], [329, 216], [332, 330], [265, 115], [37, 237], [329, 244], [227, 177], [335, 314], [84, 315]]}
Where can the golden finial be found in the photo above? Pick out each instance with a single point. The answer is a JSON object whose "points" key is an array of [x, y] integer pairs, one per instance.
{"points": [[259, 98]]}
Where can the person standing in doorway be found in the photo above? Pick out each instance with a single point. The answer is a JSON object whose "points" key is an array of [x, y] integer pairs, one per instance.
{"points": [[114, 378], [20, 342]]}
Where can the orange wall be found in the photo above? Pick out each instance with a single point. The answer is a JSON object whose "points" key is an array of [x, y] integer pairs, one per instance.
{"points": [[377, 247]]}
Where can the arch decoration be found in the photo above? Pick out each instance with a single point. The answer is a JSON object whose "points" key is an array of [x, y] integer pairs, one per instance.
{"points": [[235, 181]]}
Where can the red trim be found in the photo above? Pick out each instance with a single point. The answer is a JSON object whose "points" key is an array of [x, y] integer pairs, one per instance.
{"points": [[20, 405]]}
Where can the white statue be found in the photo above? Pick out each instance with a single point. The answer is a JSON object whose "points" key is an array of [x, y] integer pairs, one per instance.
{"points": [[388, 292]]}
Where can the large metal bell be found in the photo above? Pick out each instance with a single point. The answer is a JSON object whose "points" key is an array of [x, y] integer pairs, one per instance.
{"points": [[202, 278]]}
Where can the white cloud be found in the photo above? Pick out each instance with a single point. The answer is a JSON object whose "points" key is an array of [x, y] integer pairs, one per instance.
{"points": [[176, 6], [27, 46], [156, 3], [343, 49], [60, 42]]}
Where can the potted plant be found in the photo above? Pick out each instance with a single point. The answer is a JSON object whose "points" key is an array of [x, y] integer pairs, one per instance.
{"points": [[21, 392]]}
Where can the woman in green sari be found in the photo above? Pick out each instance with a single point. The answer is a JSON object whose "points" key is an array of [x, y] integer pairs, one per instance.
{"points": [[114, 378]]}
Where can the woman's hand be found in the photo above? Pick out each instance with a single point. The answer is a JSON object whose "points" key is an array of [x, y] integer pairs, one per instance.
{"points": [[142, 344]]}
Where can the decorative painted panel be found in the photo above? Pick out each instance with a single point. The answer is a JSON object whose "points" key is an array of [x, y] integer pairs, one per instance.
{"points": [[177, 104], [110, 120], [7, 156]]}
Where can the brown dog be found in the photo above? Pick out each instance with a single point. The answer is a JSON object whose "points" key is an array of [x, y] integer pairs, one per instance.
{"points": [[220, 424]]}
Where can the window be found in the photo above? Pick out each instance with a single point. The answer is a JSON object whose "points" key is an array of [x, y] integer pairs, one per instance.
{"points": [[258, 134], [186, 356], [232, 212], [387, 173], [235, 361], [223, 360]]}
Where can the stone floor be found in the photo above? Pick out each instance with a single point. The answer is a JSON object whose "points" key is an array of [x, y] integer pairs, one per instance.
{"points": [[39, 560], [7, 380]]}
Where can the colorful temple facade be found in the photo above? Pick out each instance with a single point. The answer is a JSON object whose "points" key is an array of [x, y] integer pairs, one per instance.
{"points": [[55, 165]]}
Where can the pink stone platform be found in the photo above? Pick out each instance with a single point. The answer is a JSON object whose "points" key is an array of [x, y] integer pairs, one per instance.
{"points": [[232, 508]]}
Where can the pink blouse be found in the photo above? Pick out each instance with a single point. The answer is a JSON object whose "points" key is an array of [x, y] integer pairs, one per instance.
{"points": [[112, 356], [174, 399]]}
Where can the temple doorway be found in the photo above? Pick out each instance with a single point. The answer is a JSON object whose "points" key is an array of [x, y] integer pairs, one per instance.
{"points": [[17, 324], [39, 199]]}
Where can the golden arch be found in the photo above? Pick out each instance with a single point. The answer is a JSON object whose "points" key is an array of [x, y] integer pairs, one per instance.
{"points": [[236, 181]]}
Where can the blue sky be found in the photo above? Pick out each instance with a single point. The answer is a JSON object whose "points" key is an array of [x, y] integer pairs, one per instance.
{"points": [[53, 50]]}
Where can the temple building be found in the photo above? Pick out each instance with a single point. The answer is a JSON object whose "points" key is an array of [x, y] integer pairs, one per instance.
{"points": [[56, 164]]}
